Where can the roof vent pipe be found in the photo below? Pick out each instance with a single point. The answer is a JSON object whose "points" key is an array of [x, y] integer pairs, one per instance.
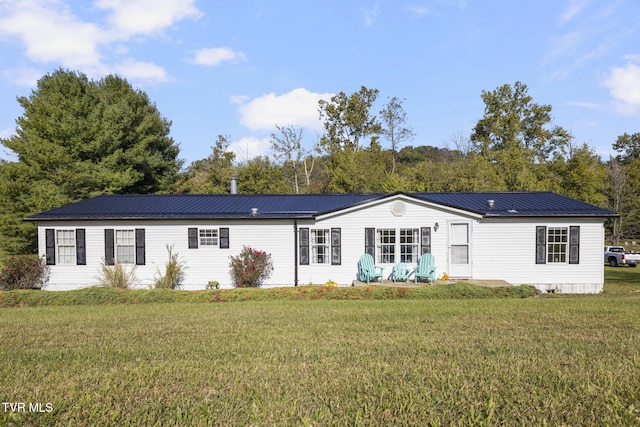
{"points": [[234, 184], [254, 211], [491, 202]]}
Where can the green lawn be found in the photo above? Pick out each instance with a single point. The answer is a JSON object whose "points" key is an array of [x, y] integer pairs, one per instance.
{"points": [[536, 361], [621, 281]]}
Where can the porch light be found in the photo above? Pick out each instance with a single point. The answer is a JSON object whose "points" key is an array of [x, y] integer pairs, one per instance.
{"points": [[436, 226]]}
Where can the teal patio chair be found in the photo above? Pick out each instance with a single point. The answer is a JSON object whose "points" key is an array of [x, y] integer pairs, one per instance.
{"points": [[400, 272], [426, 268], [367, 270]]}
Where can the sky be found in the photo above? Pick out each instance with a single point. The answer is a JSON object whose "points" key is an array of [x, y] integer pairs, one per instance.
{"points": [[239, 68]]}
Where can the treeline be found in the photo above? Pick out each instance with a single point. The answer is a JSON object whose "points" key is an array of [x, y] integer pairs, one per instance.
{"points": [[514, 147], [78, 138]]}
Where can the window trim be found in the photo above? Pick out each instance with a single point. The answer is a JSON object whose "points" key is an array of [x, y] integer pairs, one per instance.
{"points": [[70, 253], [130, 244], [557, 245], [414, 245], [571, 245], [386, 241], [315, 244], [214, 237]]}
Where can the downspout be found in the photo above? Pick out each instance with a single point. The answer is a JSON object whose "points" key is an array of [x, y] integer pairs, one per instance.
{"points": [[295, 252]]}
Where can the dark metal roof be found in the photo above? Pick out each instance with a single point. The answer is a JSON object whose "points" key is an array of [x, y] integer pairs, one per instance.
{"points": [[216, 206], [516, 204]]}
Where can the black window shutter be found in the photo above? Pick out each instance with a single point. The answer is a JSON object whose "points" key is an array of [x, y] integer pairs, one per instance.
{"points": [[336, 242], [425, 240], [370, 241], [193, 238], [108, 246], [303, 240], [50, 246], [224, 238], [140, 258], [541, 244], [81, 250], [574, 244]]}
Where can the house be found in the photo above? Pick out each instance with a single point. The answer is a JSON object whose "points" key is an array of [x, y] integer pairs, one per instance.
{"points": [[538, 238]]}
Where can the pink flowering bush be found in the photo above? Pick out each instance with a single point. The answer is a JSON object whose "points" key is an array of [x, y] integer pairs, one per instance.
{"points": [[251, 268], [24, 272]]}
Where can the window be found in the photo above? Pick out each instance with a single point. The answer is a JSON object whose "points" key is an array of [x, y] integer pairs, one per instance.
{"points": [[66, 247], [320, 246], [386, 246], [557, 244], [125, 246], [208, 237], [409, 238]]}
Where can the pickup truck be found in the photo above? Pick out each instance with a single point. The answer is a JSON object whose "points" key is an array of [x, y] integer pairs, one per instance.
{"points": [[616, 255]]}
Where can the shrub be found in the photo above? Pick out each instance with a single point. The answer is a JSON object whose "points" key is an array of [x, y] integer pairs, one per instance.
{"points": [[173, 272], [24, 272], [117, 276], [251, 268]]}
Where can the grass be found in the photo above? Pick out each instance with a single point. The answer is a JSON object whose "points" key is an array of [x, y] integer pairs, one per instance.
{"points": [[110, 295], [389, 361], [621, 281]]}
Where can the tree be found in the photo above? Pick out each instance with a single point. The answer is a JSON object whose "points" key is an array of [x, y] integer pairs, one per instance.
{"points": [[583, 176], [628, 147], [617, 184], [287, 147], [260, 176], [514, 134], [348, 120], [78, 138], [211, 175], [393, 118]]}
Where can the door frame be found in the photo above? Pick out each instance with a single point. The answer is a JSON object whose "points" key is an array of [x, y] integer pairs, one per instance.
{"points": [[460, 270]]}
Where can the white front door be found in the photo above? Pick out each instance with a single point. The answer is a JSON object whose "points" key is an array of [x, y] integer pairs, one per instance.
{"points": [[459, 249]]}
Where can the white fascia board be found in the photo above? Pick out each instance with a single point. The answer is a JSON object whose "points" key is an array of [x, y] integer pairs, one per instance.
{"points": [[401, 197]]}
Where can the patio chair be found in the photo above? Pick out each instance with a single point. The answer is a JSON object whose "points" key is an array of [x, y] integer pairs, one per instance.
{"points": [[400, 272], [367, 270], [426, 268]]}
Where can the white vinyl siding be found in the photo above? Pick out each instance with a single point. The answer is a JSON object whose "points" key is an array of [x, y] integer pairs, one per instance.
{"points": [[66, 247], [501, 249]]}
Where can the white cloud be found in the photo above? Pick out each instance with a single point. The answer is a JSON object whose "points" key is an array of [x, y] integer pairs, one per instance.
{"points": [[138, 70], [6, 133], [51, 33], [418, 10], [574, 9], [216, 55], [298, 108], [370, 15], [238, 99], [131, 17], [586, 105], [22, 76], [624, 87], [249, 147]]}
